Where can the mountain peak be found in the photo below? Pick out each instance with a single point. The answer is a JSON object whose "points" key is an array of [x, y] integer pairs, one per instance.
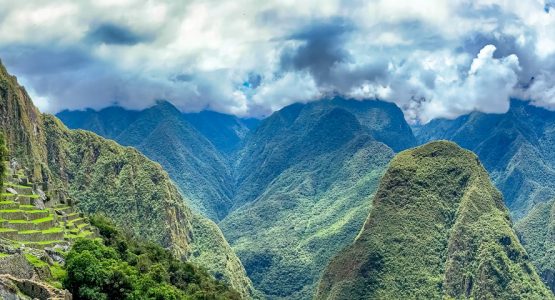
{"points": [[438, 228]]}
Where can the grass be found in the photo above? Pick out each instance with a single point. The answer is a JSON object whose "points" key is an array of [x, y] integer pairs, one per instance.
{"points": [[35, 211], [44, 242], [2, 255], [53, 230], [35, 261], [46, 231], [11, 184], [7, 230], [58, 274], [82, 234]]}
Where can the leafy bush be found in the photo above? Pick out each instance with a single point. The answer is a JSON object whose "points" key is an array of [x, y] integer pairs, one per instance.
{"points": [[120, 266]]}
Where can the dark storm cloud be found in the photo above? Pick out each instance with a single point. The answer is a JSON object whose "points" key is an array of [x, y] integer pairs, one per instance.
{"points": [[320, 49], [35, 60], [114, 34], [549, 5]]}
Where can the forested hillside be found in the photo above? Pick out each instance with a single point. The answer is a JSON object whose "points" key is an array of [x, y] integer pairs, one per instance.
{"points": [[438, 229], [515, 147], [120, 182]]}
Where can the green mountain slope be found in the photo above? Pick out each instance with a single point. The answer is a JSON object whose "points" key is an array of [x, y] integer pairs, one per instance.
{"points": [[537, 232], [199, 170], [225, 132], [516, 148], [120, 182], [306, 178], [285, 138], [437, 229], [195, 149]]}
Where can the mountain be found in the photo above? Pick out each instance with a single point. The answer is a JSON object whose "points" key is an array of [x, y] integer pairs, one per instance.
{"points": [[225, 132], [104, 177], [516, 148], [305, 178], [537, 231], [438, 228], [193, 148]]}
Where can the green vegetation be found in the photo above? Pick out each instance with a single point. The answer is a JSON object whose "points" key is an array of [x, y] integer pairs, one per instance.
{"points": [[102, 176], [124, 267], [536, 232], [516, 148], [306, 179], [437, 229], [35, 261], [164, 135]]}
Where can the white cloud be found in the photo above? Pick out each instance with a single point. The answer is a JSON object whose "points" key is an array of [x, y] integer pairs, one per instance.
{"points": [[433, 58]]}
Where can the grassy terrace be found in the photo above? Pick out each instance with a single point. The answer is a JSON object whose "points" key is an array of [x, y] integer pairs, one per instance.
{"points": [[36, 221], [33, 211], [34, 227], [11, 184]]}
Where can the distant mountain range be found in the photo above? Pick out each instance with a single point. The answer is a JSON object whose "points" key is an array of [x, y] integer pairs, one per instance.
{"points": [[313, 165], [195, 149], [292, 190]]}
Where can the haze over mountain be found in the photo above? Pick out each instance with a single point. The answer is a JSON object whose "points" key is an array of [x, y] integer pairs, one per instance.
{"points": [[438, 229]]}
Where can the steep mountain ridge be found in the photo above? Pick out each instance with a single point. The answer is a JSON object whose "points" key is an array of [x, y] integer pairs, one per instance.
{"points": [[118, 181], [195, 149], [276, 142], [536, 232], [516, 148], [437, 229]]}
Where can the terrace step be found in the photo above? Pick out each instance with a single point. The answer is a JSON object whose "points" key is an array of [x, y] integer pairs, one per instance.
{"points": [[64, 210], [39, 236], [18, 214], [39, 224], [72, 216], [9, 204]]}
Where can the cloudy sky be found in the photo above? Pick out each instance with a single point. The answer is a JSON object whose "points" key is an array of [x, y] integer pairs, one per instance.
{"points": [[250, 57]]}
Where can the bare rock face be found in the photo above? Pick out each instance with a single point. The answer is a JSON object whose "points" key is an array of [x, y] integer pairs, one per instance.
{"points": [[13, 288], [9, 290], [17, 266]]}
